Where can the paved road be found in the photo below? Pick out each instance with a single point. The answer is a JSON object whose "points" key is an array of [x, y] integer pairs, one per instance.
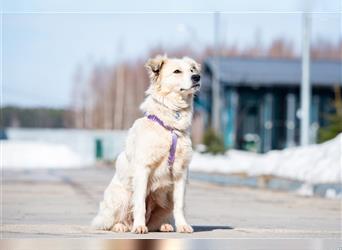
{"points": [[61, 203]]}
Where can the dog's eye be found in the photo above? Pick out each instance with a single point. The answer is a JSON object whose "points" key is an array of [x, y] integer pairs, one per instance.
{"points": [[177, 71]]}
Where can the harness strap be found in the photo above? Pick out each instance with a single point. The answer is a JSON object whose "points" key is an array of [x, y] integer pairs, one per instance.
{"points": [[174, 136]]}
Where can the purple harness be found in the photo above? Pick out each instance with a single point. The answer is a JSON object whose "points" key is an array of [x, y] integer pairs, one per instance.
{"points": [[172, 153]]}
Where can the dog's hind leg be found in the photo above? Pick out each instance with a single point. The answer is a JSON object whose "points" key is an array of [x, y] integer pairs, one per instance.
{"points": [[116, 202], [104, 220], [114, 208], [120, 228]]}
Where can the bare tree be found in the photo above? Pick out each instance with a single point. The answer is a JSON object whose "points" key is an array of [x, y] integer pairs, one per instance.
{"points": [[281, 48]]}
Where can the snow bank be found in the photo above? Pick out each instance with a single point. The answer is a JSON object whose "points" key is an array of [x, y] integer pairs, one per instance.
{"points": [[319, 163], [31, 154]]}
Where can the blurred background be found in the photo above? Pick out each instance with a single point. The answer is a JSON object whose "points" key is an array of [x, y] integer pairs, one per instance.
{"points": [[73, 78]]}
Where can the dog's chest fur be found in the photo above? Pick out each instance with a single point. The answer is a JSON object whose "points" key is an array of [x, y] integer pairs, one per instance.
{"points": [[163, 175], [149, 144]]}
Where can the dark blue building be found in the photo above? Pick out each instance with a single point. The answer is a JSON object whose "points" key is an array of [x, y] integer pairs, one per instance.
{"points": [[260, 106]]}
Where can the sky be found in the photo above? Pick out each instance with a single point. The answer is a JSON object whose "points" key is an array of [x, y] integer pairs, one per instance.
{"points": [[44, 42]]}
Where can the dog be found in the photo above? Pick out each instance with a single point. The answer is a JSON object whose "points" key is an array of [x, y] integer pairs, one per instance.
{"points": [[148, 189]]}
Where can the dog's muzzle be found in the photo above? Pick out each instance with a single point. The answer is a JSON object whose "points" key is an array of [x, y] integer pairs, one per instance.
{"points": [[195, 82]]}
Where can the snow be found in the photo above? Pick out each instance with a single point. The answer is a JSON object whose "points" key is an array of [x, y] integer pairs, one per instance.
{"points": [[306, 189], [58, 148], [319, 163], [332, 194], [35, 154], [80, 141]]}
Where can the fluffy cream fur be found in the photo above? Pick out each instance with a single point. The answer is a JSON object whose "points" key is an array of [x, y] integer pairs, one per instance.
{"points": [[146, 194]]}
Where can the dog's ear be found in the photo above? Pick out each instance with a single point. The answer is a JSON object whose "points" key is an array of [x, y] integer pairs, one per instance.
{"points": [[154, 66], [193, 63]]}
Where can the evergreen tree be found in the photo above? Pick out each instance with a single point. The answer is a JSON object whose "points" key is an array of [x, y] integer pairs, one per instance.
{"points": [[335, 120]]}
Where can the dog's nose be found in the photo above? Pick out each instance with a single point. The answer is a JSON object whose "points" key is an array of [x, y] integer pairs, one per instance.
{"points": [[195, 78]]}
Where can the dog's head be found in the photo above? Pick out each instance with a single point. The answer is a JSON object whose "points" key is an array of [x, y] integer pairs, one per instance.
{"points": [[173, 75]]}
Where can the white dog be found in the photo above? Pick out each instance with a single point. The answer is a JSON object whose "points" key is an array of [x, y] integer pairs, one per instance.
{"points": [[148, 188]]}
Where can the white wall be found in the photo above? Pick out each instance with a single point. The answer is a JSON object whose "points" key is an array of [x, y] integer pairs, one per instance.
{"points": [[81, 142]]}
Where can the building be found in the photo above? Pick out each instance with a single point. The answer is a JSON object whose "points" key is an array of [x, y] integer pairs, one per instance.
{"points": [[260, 103]]}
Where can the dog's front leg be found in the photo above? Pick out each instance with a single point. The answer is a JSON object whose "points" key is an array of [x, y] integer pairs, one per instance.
{"points": [[178, 210], [140, 180]]}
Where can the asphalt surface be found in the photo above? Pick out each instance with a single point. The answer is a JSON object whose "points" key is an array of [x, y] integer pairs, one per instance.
{"points": [[62, 203]]}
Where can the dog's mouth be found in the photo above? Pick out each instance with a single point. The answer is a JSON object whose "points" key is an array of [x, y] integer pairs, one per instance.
{"points": [[192, 87]]}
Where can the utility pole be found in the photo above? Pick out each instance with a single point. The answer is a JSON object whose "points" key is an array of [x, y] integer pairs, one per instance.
{"points": [[216, 76], [305, 89]]}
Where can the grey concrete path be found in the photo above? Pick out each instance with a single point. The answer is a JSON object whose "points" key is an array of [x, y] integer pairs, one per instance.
{"points": [[61, 203]]}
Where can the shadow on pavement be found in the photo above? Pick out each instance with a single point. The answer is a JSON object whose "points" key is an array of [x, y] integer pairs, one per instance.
{"points": [[209, 228]]}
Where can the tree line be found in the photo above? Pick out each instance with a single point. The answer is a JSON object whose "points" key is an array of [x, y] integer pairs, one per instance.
{"points": [[35, 117]]}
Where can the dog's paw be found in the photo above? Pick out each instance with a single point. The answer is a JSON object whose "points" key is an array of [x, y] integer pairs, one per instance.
{"points": [[102, 223], [140, 229], [184, 229], [120, 228], [166, 228]]}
